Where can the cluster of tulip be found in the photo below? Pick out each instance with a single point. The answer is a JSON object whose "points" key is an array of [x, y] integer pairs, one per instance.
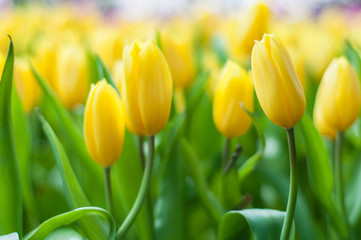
{"points": [[102, 88]]}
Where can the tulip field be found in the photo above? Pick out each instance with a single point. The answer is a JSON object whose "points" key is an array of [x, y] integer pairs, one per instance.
{"points": [[201, 124]]}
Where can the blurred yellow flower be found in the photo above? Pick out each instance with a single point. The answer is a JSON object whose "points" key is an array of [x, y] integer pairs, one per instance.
{"points": [[26, 85], [277, 86], [118, 74], [338, 96], [234, 87], [71, 83], [147, 88], [104, 124], [179, 53]]}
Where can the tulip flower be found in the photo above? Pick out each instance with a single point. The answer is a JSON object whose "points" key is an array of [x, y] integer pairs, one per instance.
{"points": [[104, 124], [234, 87], [281, 97], [26, 85], [45, 61], [251, 28], [179, 53], [339, 95], [337, 106], [146, 88], [118, 74], [71, 83], [277, 86], [104, 130]]}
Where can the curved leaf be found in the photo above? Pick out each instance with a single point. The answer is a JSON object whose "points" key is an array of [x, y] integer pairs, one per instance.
{"points": [[69, 217], [319, 169], [91, 174], [10, 194], [258, 224], [205, 194], [247, 167], [73, 191]]}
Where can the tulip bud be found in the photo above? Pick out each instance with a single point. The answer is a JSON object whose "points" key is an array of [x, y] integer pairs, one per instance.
{"points": [[277, 86], [180, 57], [338, 96], [71, 75], [26, 85], [147, 88], [320, 122], [234, 87], [104, 124]]}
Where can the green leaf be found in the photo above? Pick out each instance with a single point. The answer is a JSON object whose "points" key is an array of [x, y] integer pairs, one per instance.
{"points": [[73, 191], [319, 169], [10, 200], [90, 172], [258, 224], [69, 217], [170, 223], [353, 57], [251, 162], [191, 161], [106, 73], [23, 137]]}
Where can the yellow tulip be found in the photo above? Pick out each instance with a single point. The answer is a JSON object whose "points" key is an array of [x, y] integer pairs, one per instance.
{"points": [[2, 62], [338, 96], [277, 86], [45, 60], [253, 26], [71, 75], [320, 122], [104, 124], [26, 85], [234, 87], [147, 88], [179, 53]]}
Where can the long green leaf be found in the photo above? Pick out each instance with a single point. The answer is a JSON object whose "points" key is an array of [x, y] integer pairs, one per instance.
{"points": [[65, 233], [92, 174], [69, 217], [10, 193], [251, 162], [22, 138], [319, 169], [206, 195], [258, 224], [73, 191]]}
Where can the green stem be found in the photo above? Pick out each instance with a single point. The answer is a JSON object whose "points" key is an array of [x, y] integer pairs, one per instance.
{"points": [[108, 190], [141, 151], [129, 220], [149, 195], [225, 156], [339, 192], [292, 197]]}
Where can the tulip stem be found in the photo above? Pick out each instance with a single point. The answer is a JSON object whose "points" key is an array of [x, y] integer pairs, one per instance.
{"points": [[141, 151], [225, 156], [149, 195], [339, 192], [144, 186], [108, 190], [292, 197]]}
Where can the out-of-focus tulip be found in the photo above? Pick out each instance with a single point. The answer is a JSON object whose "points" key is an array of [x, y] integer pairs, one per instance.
{"points": [[26, 85], [108, 45], [338, 96], [277, 86], [253, 26], [147, 88], [179, 53], [104, 124], [234, 87], [118, 74], [2, 63], [45, 60], [71, 75]]}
